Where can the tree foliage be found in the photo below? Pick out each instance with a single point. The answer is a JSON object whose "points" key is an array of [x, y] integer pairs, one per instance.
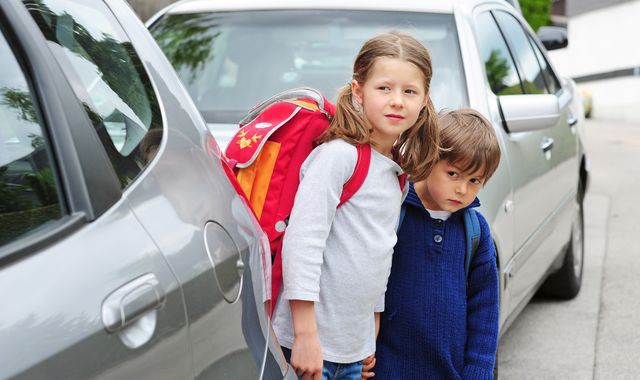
{"points": [[536, 12]]}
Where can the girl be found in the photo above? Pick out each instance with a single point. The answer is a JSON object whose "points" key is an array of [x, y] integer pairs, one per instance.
{"points": [[336, 261]]}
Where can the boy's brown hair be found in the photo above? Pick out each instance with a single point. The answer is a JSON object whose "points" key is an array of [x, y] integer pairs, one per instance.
{"points": [[417, 148], [467, 139]]}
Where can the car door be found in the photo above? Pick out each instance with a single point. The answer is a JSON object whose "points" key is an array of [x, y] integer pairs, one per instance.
{"points": [[528, 154], [208, 235], [85, 291], [557, 146], [565, 159]]}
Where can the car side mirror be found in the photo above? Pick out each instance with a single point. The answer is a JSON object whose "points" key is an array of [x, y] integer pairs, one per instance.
{"points": [[529, 112], [553, 37]]}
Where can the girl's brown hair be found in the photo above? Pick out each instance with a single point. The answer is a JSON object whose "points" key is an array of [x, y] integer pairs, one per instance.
{"points": [[468, 139], [417, 148]]}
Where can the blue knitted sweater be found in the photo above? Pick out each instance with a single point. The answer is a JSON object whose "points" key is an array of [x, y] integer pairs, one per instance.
{"points": [[435, 325]]}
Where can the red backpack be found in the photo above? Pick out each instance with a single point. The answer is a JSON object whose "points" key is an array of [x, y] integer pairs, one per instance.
{"points": [[267, 152]]}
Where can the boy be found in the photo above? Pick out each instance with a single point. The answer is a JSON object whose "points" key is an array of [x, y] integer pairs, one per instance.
{"points": [[439, 323]]}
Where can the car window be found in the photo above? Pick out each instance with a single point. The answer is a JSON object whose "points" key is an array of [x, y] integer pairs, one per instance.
{"points": [[553, 84], [108, 77], [500, 68], [29, 195], [532, 77], [230, 61]]}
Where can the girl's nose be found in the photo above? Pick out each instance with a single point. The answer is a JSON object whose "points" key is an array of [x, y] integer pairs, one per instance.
{"points": [[396, 99]]}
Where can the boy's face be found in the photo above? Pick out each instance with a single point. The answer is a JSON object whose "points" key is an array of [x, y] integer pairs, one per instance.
{"points": [[448, 188]]}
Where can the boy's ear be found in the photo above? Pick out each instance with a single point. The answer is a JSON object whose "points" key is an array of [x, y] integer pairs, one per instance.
{"points": [[356, 90]]}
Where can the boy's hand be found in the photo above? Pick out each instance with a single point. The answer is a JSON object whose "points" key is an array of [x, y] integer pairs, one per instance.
{"points": [[367, 364], [306, 353]]}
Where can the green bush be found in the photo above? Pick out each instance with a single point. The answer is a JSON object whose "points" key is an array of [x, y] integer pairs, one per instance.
{"points": [[536, 12]]}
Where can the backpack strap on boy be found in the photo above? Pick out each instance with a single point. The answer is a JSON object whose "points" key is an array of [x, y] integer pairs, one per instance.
{"points": [[472, 237]]}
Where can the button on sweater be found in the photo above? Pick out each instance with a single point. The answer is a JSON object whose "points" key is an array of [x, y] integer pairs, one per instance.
{"points": [[437, 324]]}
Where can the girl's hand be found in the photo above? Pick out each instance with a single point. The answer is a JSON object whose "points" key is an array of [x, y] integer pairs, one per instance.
{"points": [[306, 357], [367, 364]]}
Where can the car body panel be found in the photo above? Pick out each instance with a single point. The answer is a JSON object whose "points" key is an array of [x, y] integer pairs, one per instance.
{"points": [[162, 279]]}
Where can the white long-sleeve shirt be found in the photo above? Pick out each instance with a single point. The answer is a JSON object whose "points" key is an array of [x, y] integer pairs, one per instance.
{"points": [[340, 258]]}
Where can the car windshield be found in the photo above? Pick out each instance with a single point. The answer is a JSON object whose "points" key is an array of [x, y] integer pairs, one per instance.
{"points": [[230, 61]]}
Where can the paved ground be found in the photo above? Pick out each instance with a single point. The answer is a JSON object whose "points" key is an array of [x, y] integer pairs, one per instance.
{"points": [[596, 335]]}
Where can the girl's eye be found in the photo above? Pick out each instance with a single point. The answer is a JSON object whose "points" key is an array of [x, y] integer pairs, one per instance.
{"points": [[383, 88], [412, 92], [452, 174]]}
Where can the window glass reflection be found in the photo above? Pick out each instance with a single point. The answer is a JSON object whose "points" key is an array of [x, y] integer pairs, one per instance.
{"points": [[29, 198], [107, 74], [499, 66]]}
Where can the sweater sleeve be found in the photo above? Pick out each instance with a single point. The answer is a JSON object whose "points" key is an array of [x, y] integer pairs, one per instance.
{"points": [[482, 310], [323, 175]]}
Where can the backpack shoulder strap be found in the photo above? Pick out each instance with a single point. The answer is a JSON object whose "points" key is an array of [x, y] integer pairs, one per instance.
{"points": [[472, 237], [359, 173]]}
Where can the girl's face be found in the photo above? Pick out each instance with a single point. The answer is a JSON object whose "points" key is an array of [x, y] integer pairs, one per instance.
{"points": [[391, 98]]}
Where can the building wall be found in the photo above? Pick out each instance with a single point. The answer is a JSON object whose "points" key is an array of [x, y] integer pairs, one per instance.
{"points": [[601, 41], [577, 7], [604, 42]]}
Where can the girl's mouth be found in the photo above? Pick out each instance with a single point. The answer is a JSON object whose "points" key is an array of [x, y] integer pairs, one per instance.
{"points": [[394, 116]]}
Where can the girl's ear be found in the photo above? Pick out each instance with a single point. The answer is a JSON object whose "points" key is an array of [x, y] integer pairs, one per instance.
{"points": [[426, 100], [356, 91]]}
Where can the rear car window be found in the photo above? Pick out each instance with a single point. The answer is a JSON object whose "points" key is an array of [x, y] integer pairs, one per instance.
{"points": [[230, 61], [107, 76]]}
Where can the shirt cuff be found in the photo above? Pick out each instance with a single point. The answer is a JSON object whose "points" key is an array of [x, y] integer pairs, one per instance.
{"points": [[300, 295]]}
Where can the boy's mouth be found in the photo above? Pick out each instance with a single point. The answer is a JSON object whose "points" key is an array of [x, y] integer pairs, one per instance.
{"points": [[455, 202]]}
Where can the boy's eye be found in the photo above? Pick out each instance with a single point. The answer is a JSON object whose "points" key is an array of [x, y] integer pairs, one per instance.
{"points": [[384, 88], [452, 174], [476, 181]]}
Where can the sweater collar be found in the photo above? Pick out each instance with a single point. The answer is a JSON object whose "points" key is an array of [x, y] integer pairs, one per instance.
{"points": [[413, 200]]}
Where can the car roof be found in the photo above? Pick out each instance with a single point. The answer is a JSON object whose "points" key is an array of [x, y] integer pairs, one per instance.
{"points": [[196, 6]]}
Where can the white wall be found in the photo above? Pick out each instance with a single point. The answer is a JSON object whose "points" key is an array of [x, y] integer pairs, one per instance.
{"points": [[605, 40], [602, 40]]}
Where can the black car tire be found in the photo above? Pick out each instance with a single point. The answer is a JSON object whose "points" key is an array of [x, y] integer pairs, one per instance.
{"points": [[566, 282]]}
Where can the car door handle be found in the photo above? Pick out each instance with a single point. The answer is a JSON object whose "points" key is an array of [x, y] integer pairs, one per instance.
{"points": [[572, 120], [547, 144], [131, 301]]}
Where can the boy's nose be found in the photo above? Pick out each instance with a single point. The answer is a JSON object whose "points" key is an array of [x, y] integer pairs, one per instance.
{"points": [[462, 189]]}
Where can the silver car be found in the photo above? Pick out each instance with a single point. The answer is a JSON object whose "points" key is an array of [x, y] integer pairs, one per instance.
{"points": [[125, 251], [231, 54]]}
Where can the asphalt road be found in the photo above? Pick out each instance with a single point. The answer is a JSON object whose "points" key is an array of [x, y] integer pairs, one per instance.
{"points": [[596, 335]]}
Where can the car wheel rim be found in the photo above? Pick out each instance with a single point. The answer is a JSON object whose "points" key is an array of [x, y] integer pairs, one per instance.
{"points": [[576, 243]]}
